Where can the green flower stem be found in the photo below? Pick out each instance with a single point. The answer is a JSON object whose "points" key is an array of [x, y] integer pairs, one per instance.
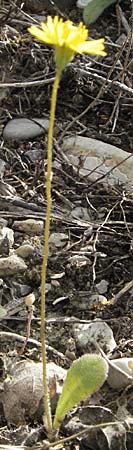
{"points": [[47, 416]]}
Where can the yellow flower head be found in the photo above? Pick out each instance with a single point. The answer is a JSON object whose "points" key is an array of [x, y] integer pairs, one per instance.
{"points": [[67, 38]]}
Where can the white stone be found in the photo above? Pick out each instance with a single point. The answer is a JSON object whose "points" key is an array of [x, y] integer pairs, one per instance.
{"points": [[9, 233], [96, 331], [82, 3], [120, 372]]}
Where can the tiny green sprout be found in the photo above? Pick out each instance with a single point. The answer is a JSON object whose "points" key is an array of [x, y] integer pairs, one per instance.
{"points": [[67, 40]]}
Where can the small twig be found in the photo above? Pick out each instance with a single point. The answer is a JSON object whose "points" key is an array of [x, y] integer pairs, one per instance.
{"points": [[123, 291], [121, 258], [30, 316], [87, 73], [55, 444], [7, 335], [101, 91], [87, 429], [111, 170], [124, 20], [123, 74], [24, 84], [124, 217], [96, 239]]}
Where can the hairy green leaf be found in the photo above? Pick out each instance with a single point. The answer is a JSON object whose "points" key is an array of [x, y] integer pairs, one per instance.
{"points": [[94, 9], [84, 377]]}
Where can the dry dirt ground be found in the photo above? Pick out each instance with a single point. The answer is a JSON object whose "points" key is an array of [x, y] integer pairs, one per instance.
{"points": [[105, 241]]}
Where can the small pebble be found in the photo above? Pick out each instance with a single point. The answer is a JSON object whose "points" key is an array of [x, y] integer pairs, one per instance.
{"points": [[58, 240], [29, 226], [25, 251], [11, 265], [102, 287]]}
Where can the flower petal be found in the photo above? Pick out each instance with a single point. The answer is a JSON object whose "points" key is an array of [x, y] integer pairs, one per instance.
{"points": [[94, 47], [41, 35]]}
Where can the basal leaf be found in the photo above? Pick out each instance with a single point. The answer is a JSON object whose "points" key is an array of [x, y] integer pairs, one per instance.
{"points": [[84, 377]]}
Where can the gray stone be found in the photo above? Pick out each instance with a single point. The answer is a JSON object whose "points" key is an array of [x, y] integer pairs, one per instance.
{"points": [[24, 129], [102, 287]]}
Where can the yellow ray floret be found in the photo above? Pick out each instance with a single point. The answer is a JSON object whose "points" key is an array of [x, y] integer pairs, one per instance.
{"points": [[68, 36]]}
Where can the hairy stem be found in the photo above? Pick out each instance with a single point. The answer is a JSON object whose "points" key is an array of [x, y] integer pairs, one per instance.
{"points": [[47, 416]]}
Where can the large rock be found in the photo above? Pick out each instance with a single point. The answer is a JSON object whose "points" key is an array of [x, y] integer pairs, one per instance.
{"points": [[94, 159]]}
